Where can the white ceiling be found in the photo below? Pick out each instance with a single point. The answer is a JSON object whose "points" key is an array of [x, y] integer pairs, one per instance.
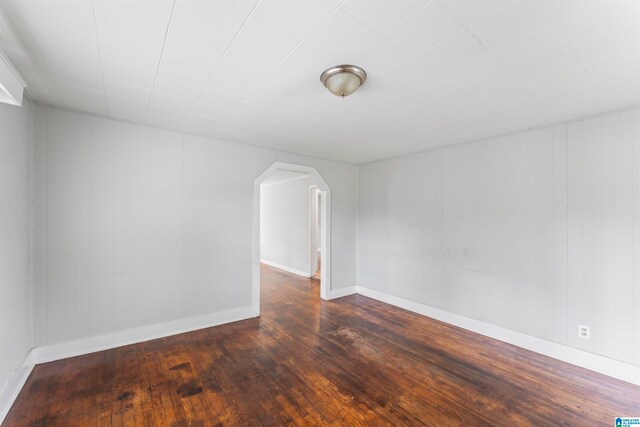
{"points": [[440, 71]]}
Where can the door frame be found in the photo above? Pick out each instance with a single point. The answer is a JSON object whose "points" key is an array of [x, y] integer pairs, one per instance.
{"points": [[325, 225], [313, 248]]}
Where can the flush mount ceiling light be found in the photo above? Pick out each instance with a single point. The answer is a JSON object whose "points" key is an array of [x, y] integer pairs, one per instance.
{"points": [[343, 80]]}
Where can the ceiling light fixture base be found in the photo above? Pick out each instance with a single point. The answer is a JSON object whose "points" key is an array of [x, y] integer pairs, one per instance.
{"points": [[343, 80]]}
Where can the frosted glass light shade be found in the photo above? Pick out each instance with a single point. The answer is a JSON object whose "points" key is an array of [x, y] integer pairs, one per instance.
{"points": [[343, 80]]}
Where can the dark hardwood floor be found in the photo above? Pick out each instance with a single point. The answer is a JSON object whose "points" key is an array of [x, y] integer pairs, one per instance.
{"points": [[351, 361]]}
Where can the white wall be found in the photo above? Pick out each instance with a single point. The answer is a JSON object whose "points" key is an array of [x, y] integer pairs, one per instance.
{"points": [[15, 237], [284, 224], [536, 232], [136, 225]]}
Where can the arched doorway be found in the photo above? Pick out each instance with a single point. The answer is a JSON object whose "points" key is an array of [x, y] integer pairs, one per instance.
{"points": [[325, 229]]}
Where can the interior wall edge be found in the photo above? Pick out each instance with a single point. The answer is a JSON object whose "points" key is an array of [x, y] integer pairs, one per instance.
{"points": [[285, 268], [584, 359], [16, 249], [343, 292], [183, 131], [544, 126], [49, 353], [12, 389]]}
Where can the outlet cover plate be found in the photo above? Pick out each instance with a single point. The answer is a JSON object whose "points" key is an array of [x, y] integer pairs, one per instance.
{"points": [[584, 332]]}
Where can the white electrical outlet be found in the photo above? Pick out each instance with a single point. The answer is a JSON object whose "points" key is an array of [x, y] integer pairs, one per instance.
{"points": [[584, 332]]}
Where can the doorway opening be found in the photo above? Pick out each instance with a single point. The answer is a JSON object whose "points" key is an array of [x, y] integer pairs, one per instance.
{"points": [[315, 229], [291, 233]]}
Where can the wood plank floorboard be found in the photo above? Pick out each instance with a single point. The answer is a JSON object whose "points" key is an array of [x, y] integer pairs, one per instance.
{"points": [[351, 361]]}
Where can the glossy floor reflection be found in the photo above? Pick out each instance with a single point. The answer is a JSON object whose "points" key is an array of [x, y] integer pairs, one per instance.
{"points": [[351, 361]]}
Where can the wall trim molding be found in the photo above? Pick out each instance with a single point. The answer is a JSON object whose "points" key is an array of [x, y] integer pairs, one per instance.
{"points": [[610, 367], [285, 268], [12, 388], [49, 353], [342, 292], [594, 362]]}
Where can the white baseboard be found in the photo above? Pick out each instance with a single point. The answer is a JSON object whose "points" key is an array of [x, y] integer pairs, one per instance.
{"points": [[604, 365], [285, 268], [11, 390], [49, 353], [342, 292], [601, 364], [82, 346]]}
